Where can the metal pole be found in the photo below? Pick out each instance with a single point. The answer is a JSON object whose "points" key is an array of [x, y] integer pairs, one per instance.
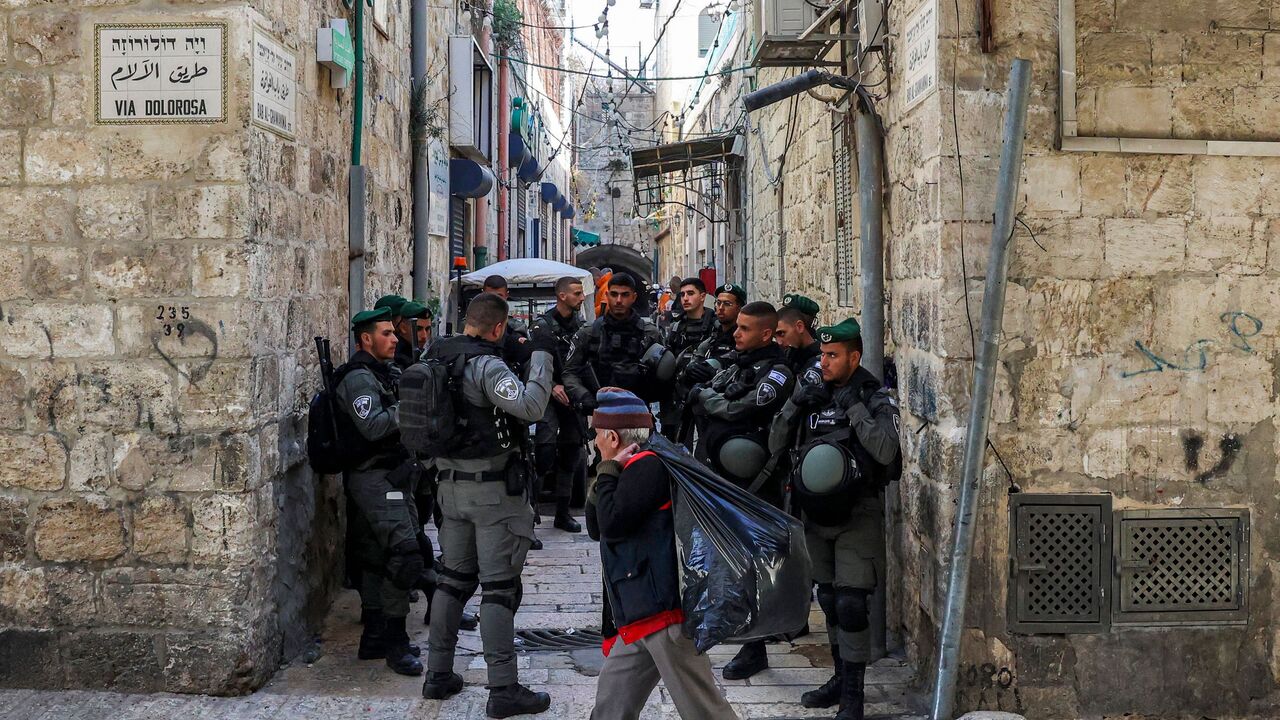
{"points": [[355, 241], [1015, 118], [421, 207], [870, 144]]}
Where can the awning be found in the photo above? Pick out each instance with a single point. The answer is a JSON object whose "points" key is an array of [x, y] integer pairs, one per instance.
{"points": [[661, 159], [517, 150], [550, 192], [568, 212], [560, 203], [529, 169], [468, 178], [584, 238]]}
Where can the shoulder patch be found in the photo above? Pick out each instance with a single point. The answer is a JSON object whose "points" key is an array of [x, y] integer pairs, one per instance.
{"points": [[813, 375], [362, 406], [778, 376], [766, 394], [507, 389]]}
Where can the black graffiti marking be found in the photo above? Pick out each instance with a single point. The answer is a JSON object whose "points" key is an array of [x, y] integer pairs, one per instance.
{"points": [[1192, 443], [1230, 446], [190, 328]]}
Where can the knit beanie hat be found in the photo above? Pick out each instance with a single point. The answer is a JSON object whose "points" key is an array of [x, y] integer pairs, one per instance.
{"points": [[619, 409]]}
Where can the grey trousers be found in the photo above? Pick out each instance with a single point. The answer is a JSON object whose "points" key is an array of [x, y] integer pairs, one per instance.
{"points": [[631, 672]]}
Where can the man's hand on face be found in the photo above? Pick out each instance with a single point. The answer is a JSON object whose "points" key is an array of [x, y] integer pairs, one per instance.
{"points": [[625, 453]]}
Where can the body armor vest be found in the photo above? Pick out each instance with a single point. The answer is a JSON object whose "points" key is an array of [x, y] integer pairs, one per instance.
{"points": [[484, 431], [615, 351], [388, 448], [688, 333]]}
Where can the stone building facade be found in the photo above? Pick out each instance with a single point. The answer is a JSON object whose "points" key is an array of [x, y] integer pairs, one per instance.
{"points": [[159, 528], [604, 188], [1138, 357]]}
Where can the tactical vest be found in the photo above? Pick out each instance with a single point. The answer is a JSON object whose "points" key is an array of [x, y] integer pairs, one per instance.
{"points": [[686, 333], [805, 362], [484, 431], [561, 331], [735, 385], [722, 343], [388, 449], [615, 350]]}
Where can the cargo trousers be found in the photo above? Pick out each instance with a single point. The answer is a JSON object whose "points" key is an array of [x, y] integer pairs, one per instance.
{"points": [[484, 537], [386, 516], [849, 556]]}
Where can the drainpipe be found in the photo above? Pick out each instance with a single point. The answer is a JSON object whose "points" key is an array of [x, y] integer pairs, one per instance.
{"points": [[421, 209], [356, 181], [480, 243], [984, 376], [504, 172], [870, 146]]}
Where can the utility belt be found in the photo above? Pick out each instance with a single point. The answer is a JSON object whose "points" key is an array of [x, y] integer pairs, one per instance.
{"points": [[516, 476]]}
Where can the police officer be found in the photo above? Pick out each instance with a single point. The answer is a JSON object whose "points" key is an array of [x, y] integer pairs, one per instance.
{"points": [[719, 346], [736, 411], [382, 487], [611, 351], [487, 525], [559, 440], [688, 329], [516, 333], [848, 452], [797, 334], [412, 314]]}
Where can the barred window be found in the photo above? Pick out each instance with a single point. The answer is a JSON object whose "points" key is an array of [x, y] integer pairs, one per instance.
{"points": [[841, 132]]}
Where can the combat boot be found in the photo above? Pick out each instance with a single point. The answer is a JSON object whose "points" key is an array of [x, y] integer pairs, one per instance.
{"points": [[371, 646], [829, 694], [751, 659], [441, 685], [400, 657], [852, 692], [564, 521], [515, 699]]}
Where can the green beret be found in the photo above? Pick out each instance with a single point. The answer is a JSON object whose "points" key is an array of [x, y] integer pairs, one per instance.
{"points": [[413, 309], [391, 302], [382, 313], [801, 303], [847, 330], [734, 290]]}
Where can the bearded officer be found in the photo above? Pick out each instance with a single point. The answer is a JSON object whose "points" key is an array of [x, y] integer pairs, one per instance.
{"points": [[735, 413], [849, 451], [560, 438], [487, 526], [612, 351], [797, 334], [382, 488]]}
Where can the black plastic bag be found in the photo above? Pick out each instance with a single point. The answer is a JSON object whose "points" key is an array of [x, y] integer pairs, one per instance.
{"points": [[744, 569]]}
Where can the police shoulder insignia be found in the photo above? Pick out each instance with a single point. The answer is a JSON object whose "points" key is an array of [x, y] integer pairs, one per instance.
{"points": [[766, 394], [778, 377], [363, 405], [813, 375], [507, 389]]}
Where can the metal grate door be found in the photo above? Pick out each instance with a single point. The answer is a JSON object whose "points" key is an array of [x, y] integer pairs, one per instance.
{"points": [[1181, 566], [1059, 563], [841, 135]]}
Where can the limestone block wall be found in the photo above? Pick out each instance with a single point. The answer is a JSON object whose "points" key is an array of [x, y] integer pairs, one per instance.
{"points": [[161, 287]]}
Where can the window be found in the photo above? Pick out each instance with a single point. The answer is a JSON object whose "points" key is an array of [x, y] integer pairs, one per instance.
{"points": [[708, 28]]}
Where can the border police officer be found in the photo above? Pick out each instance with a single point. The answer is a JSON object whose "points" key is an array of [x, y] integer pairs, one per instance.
{"points": [[736, 412], [487, 526], [382, 488], [688, 329], [848, 452], [560, 437], [609, 351], [797, 332]]}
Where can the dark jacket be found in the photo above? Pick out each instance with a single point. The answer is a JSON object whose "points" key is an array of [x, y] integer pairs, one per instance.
{"points": [[637, 546], [607, 353]]}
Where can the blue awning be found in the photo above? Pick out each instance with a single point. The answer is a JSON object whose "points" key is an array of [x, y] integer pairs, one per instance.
{"points": [[517, 151], [560, 203], [550, 192], [568, 213], [468, 178], [584, 237], [529, 170]]}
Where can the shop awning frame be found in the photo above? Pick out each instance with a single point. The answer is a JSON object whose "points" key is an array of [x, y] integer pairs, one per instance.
{"points": [[687, 174]]}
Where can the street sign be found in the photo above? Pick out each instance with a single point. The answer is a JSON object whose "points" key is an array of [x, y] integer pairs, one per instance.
{"points": [[275, 85], [334, 51], [921, 54], [159, 73]]}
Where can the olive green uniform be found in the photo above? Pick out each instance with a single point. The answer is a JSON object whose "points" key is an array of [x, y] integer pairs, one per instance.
{"points": [[848, 558], [485, 533], [383, 488]]}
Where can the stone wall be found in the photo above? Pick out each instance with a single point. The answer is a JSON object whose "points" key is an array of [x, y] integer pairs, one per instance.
{"points": [[161, 531], [604, 163]]}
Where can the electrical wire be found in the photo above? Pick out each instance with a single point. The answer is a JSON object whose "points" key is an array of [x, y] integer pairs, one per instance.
{"points": [[480, 9]]}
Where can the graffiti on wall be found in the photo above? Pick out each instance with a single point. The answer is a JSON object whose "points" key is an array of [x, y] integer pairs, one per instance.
{"points": [[1238, 328]]}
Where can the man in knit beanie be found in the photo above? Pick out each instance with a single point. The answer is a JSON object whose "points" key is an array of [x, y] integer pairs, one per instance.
{"points": [[633, 516]]}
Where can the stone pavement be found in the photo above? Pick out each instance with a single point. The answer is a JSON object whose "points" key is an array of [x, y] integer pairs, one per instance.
{"points": [[562, 591]]}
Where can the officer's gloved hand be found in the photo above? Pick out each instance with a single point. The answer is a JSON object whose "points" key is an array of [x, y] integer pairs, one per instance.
{"points": [[406, 566], [810, 396], [542, 341], [699, 372], [586, 406], [425, 547]]}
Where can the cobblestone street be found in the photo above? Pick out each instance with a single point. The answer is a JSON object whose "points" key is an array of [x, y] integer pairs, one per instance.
{"points": [[562, 591]]}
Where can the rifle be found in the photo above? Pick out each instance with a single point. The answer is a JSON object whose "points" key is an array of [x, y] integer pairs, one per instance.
{"points": [[326, 376]]}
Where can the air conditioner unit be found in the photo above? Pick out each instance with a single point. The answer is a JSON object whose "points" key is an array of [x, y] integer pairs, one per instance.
{"points": [[871, 24], [783, 18]]}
